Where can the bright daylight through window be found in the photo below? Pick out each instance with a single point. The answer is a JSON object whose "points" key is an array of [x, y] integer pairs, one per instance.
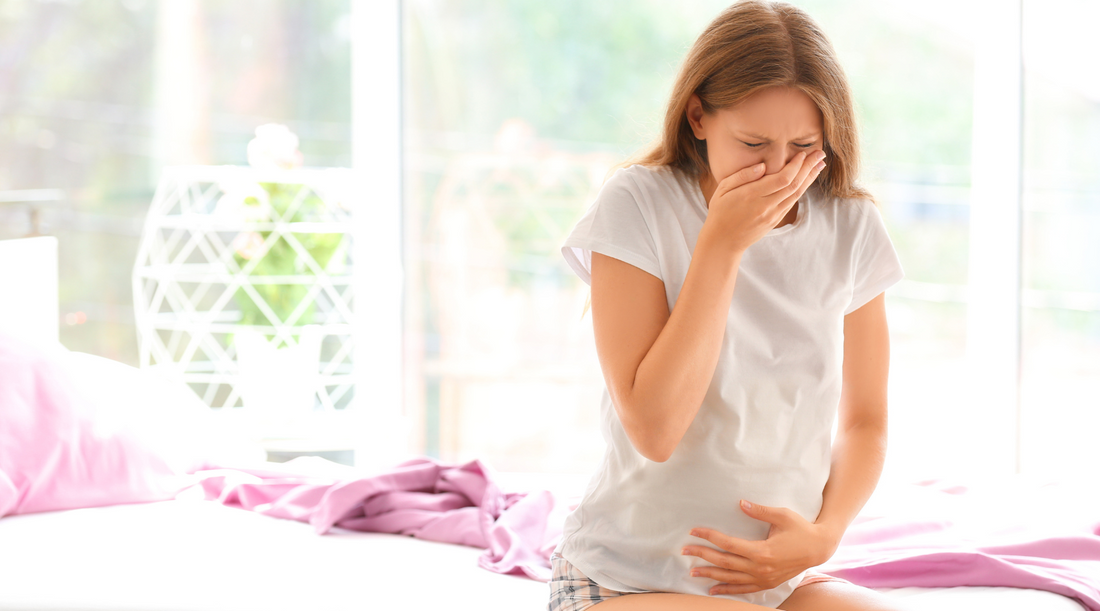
{"points": [[512, 115]]}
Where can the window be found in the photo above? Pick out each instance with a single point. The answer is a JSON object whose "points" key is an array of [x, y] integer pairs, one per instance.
{"points": [[98, 96], [1060, 379], [512, 115], [515, 112]]}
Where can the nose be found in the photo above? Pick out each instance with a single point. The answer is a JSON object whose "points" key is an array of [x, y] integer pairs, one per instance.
{"points": [[776, 158]]}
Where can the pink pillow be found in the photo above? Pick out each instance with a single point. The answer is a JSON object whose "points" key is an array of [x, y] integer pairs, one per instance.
{"points": [[60, 445]]}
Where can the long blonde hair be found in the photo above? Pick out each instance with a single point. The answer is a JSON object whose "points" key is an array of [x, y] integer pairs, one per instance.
{"points": [[751, 45]]}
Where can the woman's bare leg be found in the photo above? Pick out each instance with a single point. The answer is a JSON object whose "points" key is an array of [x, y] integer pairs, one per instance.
{"points": [[825, 596], [666, 601], [840, 596]]}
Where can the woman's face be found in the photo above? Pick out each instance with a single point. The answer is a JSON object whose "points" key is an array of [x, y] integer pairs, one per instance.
{"points": [[772, 125]]}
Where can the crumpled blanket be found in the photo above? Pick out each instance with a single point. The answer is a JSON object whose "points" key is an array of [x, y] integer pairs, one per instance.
{"points": [[1014, 532], [420, 497]]}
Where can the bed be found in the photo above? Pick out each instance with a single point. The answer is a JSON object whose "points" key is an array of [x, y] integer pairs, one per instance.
{"points": [[187, 553], [197, 555]]}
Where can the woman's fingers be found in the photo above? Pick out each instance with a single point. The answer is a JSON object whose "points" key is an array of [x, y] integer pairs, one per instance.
{"points": [[784, 182], [765, 187], [733, 545], [774, 183], [786, 203], [736, 578], [790, 177], [732, 562], [739, 178], [808, 167]]}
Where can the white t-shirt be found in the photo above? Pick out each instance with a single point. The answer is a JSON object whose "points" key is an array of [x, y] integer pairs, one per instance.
{"points": [[764, 430]]}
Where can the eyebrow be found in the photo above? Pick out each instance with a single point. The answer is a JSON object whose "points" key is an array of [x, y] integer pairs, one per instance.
{"points": [[813, 135]]}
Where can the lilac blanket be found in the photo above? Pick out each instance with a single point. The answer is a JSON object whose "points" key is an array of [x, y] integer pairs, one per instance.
{"points": [[420, 497], [1013, 533]]}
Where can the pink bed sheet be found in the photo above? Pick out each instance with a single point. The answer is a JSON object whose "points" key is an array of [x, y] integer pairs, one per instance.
{"points": [[1017, 534]]}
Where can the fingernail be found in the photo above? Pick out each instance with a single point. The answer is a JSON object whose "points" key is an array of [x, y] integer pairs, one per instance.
{"points": [[748, 505], [820, 166], [758, 168], [684, 552]]}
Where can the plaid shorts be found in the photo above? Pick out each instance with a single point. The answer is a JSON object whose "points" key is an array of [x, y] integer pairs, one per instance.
{"points": [[572, 590]]}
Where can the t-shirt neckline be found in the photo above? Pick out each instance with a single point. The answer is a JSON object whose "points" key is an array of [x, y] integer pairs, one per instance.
{"points": [[799, 220]]}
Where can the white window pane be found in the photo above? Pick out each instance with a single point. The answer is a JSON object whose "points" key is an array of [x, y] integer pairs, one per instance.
{"points": [[90, 105], [504, 98], [1061, 316]]}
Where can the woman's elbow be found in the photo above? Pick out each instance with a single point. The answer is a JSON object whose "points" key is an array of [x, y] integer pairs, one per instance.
{"points": [[660, 456], [650, 449], [649, 438]]}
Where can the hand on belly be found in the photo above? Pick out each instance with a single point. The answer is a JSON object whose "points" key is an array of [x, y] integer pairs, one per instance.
{"points": [[793, 545]]}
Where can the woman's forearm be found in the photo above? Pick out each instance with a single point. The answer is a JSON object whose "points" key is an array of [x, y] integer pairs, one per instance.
{"points": [[674, 375], [859, 452]]}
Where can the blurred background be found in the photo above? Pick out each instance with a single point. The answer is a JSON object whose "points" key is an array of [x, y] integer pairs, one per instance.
{"points": [[512, 114]]}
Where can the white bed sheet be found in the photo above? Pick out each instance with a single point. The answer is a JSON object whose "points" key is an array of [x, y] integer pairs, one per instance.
{"points": [[193, 555]]}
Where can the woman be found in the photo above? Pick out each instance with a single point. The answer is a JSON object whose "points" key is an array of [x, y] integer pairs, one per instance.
{"points": [[737, 276]]}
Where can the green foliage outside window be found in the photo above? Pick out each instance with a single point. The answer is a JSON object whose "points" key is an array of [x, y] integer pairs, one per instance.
{"points": [[283, 260]]}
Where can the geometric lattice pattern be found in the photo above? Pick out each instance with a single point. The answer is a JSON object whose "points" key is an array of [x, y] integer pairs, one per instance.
{"points": [[226, 248]]}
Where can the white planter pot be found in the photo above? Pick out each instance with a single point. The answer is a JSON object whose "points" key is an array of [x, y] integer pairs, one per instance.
{"points": [[279, 385]]}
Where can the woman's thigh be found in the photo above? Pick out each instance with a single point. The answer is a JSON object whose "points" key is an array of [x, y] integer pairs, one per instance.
{"points": [[667, 601], [827, 596], [839, 596]]}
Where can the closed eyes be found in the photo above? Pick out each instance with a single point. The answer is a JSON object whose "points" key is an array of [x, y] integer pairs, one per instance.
{"points": [[756, 144]]}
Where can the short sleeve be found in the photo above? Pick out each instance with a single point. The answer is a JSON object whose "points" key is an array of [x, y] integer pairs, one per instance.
{"points": [[875, 264], [616, 225]]}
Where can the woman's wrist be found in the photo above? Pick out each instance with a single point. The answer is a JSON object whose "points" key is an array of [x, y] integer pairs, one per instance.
{"points": [[711, 242], [830, 533]]}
